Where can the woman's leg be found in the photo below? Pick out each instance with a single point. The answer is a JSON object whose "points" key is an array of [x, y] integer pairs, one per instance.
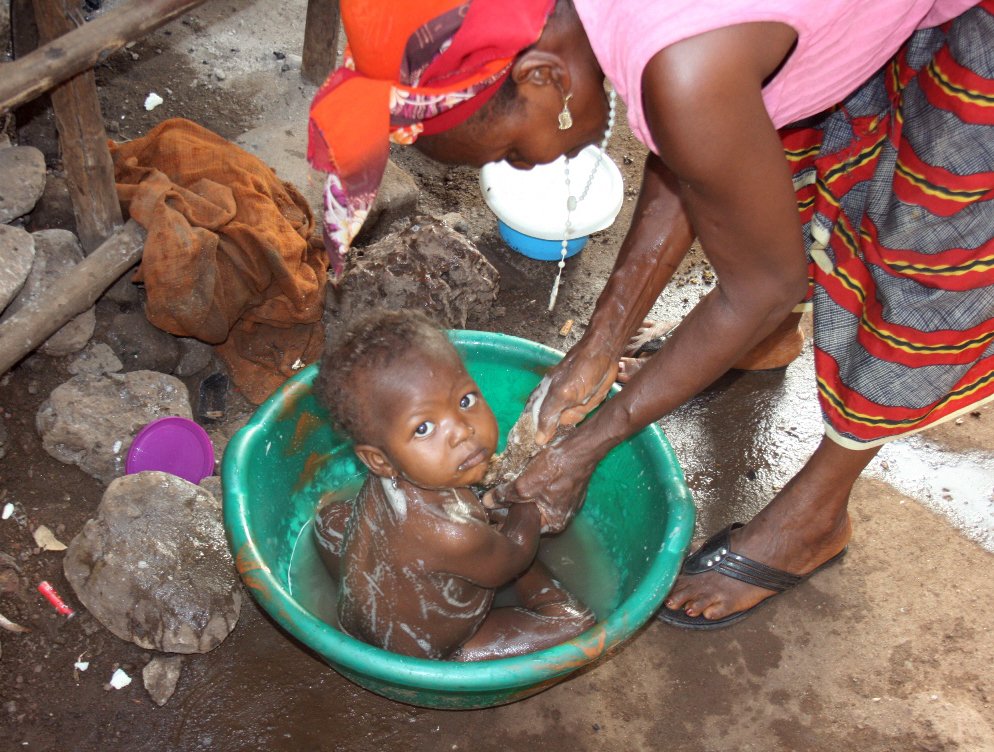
{"points": [[805, 525]]}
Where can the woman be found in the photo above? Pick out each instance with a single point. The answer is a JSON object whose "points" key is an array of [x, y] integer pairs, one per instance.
{"points": [[894, 187]]}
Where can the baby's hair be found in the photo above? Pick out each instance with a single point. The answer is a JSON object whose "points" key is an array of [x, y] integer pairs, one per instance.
{"points": [[371, 341]]}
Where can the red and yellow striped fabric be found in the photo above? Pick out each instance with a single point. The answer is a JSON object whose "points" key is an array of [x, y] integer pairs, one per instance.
{"points": [[895, 188]]}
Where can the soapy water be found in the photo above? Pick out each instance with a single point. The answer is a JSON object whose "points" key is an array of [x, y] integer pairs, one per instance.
{"points": [[576, 558], [957, 485]]}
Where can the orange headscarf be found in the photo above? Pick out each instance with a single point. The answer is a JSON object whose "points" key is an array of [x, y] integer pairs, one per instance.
{"points": [[412, 67]]}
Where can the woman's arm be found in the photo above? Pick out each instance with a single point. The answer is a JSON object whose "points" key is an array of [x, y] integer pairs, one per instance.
{"points": [[703, 100], [657, 241]]}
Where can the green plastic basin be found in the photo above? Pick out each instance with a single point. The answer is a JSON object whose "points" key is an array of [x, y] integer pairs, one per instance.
{"points": [[277, 467]]}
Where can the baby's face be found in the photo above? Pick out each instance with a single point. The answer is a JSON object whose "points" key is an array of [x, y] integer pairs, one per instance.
{"points": [[431, 420]]}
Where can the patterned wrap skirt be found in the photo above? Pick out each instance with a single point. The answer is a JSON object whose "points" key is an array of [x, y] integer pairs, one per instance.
{"points": [[896, 192]]}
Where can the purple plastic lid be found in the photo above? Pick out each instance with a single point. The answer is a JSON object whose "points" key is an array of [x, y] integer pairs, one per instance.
{"points": [[172, 445]]}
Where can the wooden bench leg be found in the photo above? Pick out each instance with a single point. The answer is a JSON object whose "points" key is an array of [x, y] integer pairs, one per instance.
{"points": [[320, 40], [85, 156]]}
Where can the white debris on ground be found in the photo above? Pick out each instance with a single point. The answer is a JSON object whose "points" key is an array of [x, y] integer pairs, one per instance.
{"points": [[152, 101], [119, 680]]}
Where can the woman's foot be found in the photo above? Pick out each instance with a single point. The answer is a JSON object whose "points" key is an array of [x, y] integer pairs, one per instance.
{"points": [[804, 526], [648, 338], [716, 596], [780, 348]]}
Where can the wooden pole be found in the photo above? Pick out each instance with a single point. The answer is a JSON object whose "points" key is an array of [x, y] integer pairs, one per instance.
{"points": [[71, 294], [320, 40], [86, 159], [79, 50]]}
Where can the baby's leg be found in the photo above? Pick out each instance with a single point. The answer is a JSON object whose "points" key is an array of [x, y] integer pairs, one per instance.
{"points": [[548, 615], [329, 532]]}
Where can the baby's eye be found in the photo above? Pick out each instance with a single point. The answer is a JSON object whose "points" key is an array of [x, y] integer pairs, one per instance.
{"points": [[425, 429], [468, 400]]}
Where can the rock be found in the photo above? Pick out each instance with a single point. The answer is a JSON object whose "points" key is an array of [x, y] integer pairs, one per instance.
{"points": [[124, 292], [456, 221], [17, 249], [56, 253], [160, 676], [10, 583], [396, 199], [141, 345], [212, 484], [54, 208], [96, 359], [154, 566], [91, 420], [426, 266], [195, 356], [22, 180]]}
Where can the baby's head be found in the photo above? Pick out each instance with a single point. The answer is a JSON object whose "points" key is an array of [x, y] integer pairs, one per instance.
{"points": [[395, 384]]}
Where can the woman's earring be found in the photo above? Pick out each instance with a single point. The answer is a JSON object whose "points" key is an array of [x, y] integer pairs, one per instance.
{"points": [[393, 481], [566, 117]]}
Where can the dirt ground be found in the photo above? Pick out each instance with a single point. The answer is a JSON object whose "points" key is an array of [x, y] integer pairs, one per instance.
{"points": [[888, 651]]}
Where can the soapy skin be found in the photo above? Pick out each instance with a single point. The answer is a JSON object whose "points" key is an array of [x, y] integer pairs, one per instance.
{"points": [[418, 554]]}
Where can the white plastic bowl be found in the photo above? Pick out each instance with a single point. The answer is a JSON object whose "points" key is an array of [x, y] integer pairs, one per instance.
{"points": [[533, 202]]}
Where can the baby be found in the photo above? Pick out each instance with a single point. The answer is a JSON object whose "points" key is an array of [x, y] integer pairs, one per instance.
{"points": [[419, 559]]}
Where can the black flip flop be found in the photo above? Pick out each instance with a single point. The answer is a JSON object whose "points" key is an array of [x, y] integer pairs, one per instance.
{"points": [[716, 555], [649, 347]]}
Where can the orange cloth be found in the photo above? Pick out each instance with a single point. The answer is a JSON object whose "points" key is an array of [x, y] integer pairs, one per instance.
{"points": [[231, 257]]}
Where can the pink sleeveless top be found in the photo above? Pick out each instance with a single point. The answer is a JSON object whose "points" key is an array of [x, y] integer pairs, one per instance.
{"points": [[840, 43]]}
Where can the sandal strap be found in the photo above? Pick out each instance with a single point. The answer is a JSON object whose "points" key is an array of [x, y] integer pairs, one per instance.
{"points": [[716, 555]]}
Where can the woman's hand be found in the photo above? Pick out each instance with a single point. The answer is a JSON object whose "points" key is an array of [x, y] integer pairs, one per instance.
{"points": [[577, 384], [555, 480]]}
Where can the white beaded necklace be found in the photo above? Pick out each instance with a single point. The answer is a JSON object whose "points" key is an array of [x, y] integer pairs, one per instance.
{"points": [[572, 201]]}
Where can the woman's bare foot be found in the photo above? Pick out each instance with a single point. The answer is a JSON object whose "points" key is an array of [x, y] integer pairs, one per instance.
{"points": [[803, 527], [778, 350], [648, 331]]}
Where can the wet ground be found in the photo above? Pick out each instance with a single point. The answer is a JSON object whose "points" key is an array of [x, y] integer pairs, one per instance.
{"points": [[889, 650]]}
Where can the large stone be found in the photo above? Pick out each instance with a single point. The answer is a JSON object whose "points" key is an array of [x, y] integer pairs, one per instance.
{"points": [[17, 249], [427, 266], [96, 359], [56, 253], [195, 356], [22, 180], [141, 345], [54, 208], [124, 292], [154, 566], [91, 420]]}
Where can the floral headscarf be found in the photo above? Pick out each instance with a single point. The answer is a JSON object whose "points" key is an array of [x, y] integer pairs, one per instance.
{"points": [[412, 67]]}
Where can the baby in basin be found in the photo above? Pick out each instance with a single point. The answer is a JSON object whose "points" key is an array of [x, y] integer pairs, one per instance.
{"points": [[418, 555]]}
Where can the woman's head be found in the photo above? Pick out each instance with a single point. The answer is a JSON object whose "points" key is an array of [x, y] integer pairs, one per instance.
{"points": [[472, 81], [397, 386], [520, 123]]}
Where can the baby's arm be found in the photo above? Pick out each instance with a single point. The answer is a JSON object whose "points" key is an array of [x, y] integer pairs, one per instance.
{"points": [[488, 556]]}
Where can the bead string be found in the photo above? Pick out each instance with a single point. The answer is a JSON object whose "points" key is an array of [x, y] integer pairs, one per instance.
{"points": [[572, 201]]}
